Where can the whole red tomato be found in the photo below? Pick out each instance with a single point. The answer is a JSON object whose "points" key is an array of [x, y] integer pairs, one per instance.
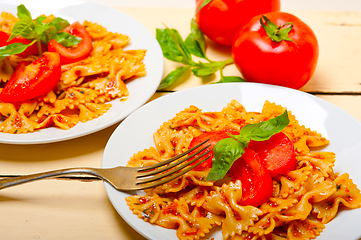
{"points": [[290, 63], [221, 19]]}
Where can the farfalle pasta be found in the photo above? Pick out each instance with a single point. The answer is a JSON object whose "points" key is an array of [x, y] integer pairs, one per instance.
{"points": [[303, 200], [84, 89]]}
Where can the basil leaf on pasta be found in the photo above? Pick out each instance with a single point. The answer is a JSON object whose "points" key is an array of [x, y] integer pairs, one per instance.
{"points": [[14, 48], [59, 23], [225, 152], [37, 30], [264, 130], [228, 150], [52, 32], [66, 39], [23, 28], [23, 12]]}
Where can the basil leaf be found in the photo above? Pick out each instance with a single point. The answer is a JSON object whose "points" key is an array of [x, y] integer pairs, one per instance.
{"points": [[49, 34], [23, 12], [198, 35], [39, 26], [24, 28], [52, 32], [59, 23], [196, 42], [194, 47], [204, 71], [225, 152], [171, 45], [203, 4], [67, 40], [14, 48], [39, 20], [173, 76], [228, 79], [264, 130], [181, 46]]}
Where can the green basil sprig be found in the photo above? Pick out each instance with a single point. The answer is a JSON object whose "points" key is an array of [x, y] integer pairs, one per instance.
{"points": [[177, 50], [37, 31], [228, 150]]}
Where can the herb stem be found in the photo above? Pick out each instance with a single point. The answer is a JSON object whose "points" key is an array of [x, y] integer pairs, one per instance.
{"points": [[38, 43], [228, 62]]}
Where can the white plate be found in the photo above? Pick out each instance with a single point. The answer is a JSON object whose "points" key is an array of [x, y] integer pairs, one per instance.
{"points": [[135, 133], [140, 90]]}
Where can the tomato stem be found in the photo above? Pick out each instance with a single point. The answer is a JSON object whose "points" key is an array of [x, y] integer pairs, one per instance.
{"points": [[276, 33]]}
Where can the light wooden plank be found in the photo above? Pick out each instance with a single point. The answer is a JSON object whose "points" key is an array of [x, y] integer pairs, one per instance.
{"points": [[80, 152], [338, 33], [58, 210]]}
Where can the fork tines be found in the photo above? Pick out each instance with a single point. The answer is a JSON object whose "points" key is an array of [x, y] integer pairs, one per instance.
{"points": [[160, 173]]}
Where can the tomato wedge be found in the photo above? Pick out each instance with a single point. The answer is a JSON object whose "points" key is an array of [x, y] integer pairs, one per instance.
{"points": [[277, 154], [73, 54], [213, 137], [31, 50], [257, 185], [32, 80]]}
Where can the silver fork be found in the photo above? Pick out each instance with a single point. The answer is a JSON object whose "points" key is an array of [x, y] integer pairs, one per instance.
{"points": [[127, 178]]}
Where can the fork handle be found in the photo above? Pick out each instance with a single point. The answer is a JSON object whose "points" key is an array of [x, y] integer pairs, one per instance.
{"points": [[13, 181]]}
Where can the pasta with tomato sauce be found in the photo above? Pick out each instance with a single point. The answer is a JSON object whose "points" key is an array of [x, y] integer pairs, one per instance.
{"points": [[302, 202], [84, 89]]}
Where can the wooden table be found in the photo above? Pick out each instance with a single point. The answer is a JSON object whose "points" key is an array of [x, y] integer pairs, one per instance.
{"points": [[78, 208]]}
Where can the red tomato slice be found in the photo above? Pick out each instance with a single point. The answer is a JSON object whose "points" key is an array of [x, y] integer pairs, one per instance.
{"points": [[32, 80], [277, 154], [32, 50], [73, 54], [213, 137], [257, 185]]}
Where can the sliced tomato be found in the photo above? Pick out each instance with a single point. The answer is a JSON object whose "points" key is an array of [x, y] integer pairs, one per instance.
{"points": [[31, 50], [257, 186], [73, 54], [34, 79], [213, 137], [277, 154]]}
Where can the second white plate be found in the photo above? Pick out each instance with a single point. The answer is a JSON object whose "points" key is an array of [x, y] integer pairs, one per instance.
{"points": [[135, 133], [140, 90]]}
